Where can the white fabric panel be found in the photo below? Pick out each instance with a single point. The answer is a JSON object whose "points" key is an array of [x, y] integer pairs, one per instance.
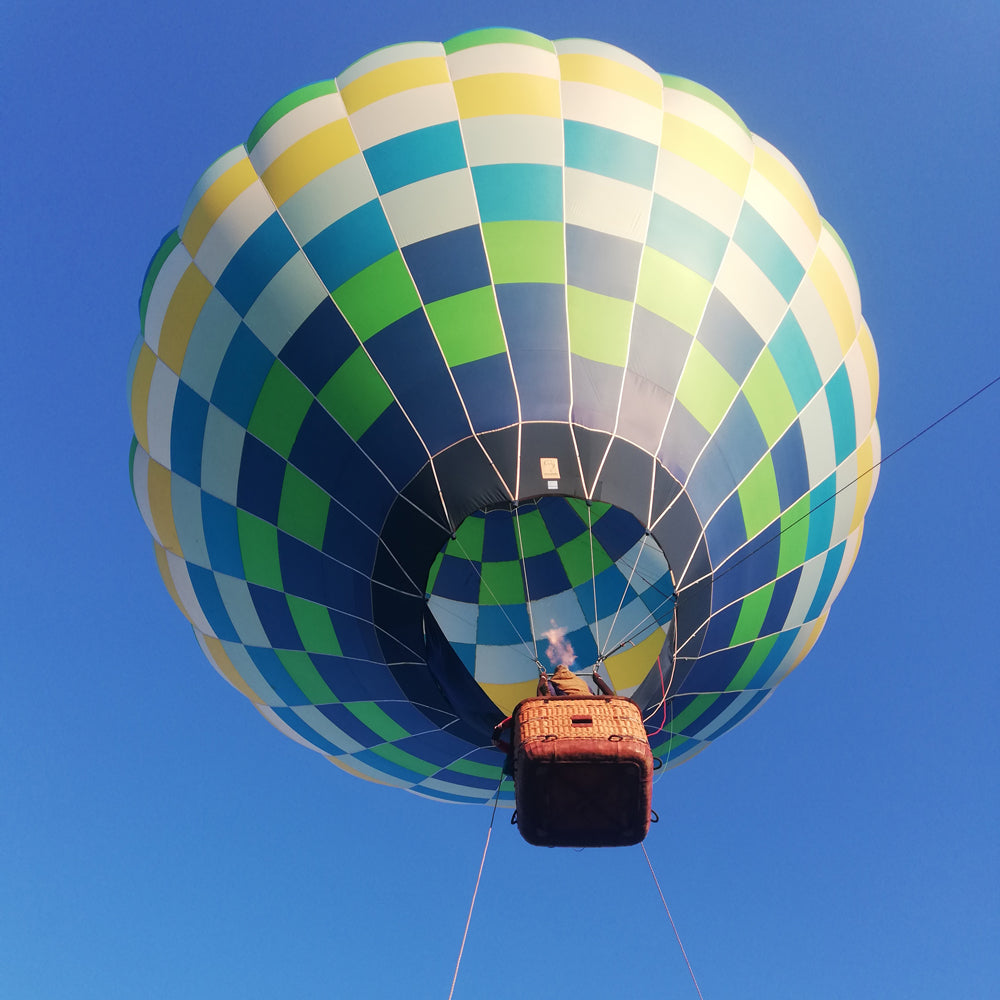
{"points": [[287, 300], [230, 231], [432, 206]]}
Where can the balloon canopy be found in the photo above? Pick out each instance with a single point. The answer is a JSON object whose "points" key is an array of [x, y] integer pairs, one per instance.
{"points": [[490, 355]]}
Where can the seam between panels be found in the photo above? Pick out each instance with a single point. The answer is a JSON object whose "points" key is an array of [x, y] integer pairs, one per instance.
{"points": [[631, 324], [569, 343], [493, 288]]}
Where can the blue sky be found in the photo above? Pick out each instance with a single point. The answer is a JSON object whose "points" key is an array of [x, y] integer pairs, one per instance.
{"points": [[158, 839]]}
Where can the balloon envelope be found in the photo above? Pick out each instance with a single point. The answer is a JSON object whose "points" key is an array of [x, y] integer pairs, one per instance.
{"points": [[494, 354]]}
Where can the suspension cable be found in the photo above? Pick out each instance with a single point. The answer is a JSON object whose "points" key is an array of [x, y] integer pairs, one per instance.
{"points": [[475, 891], [671, 919]]}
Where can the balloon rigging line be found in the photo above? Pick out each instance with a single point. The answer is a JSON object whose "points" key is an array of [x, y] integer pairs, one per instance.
{"points": [[881, 461], [593, 580], [524, 576], [628, 583], [475, 891], [671, 919]]}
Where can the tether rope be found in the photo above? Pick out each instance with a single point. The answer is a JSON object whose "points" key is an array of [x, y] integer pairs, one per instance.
{"points": [[671, 919], [475, 892]]}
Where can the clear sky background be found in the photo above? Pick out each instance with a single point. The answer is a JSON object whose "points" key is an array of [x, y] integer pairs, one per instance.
{"points": [[159, 840]]}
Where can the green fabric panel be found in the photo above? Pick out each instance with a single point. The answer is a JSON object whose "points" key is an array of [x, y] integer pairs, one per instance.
{"points": [[690, 87], [667, 747], [286, 104], [468, 540], [597, 509], [476, 769], [794, 536], [280, 409], [532, 536], [303, 509], [701, 704], [432, 575], [759, 497], [259, 548], [756, 656], [314, 626], [672, 290], [155, 266], [404, 759], [706, 388], [377, 296], [377, 721], [467, 326], [752, 614], [769, 398], [576, 556], [356, 394], [301, 670], [529, 251], [501, 583], [598, 326], [494, 36]]}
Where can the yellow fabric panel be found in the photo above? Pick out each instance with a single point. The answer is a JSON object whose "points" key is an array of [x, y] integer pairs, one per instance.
{"points": [[391, 79], [628, 669], [507, 94], [867, 346], [186, 303], [824, 276], [865, 456], [141, 382], [161, 509], [789, 185], [215, 201], [506, 696], [225, 667], [585, 68], [706, 150], [308, 158], [164, 567]]}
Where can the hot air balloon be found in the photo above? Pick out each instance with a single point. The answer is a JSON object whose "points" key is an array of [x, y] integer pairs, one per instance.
{"points": [[490, 355]]}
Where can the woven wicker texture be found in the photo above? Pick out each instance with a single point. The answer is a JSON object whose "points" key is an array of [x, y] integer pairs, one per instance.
{"points": [[578, 718]]}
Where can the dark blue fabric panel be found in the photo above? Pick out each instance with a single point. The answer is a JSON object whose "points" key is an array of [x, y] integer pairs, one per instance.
{"points": [[726, 532], [348, 542], [410, 360], [732, 340], [357, 680], [321, 344], [790, 467], [596, 389], [307, 572], [544, 575], [207, 592], [609, 586], [256, 262], [740, 439], [457, 580], [273, 671], [712, 712], [500, 537], [617, 531], [448, 264], [781, 602], [436, 747], [503, 625], [715, 671], [561, 520], [241, 375], [222, 537], [328, 455], [778, 652], [712, 479], [187, 433], [751, 704], [657, 349], [487, 389], [356, 637], [602, 263], [272, 610], [351, 244], [393, 446], [534, 320], [344, 719], [262, 474], [385, 766], [752, 566], [721, 626]]}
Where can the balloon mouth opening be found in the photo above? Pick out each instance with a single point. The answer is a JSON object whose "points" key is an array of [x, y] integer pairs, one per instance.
{"points": [[551, 581]]}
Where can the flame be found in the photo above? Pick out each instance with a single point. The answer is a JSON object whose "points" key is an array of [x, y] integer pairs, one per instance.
{"points": [[559, 649]]}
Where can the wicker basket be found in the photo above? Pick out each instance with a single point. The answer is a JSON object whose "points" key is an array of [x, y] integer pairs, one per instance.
{"points": [[583, 771]]}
